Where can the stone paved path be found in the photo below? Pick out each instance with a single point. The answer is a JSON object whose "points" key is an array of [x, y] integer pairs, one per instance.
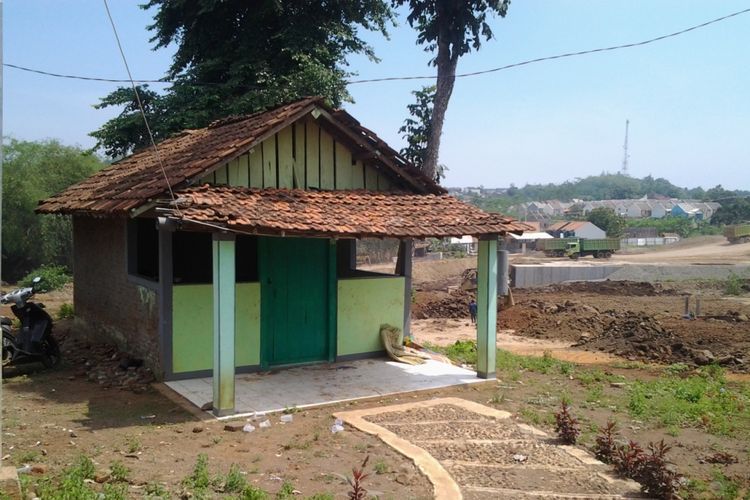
{"points": [[472, 451]]}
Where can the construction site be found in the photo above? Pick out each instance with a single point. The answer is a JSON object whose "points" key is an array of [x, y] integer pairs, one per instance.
{"points": [[683, 304]]}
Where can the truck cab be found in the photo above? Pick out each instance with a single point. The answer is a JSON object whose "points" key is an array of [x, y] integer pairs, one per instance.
{"points": [[573, 249]]}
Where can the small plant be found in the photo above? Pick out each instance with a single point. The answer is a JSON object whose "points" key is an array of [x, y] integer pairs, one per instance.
{"points": [[357, 491], [120, 473], [133, 444], [628, 459], [53, 277], [200, 479], [286, 492], [253, 493], [234, 482], [291, 410], [654, 473], [606, 443], [381, 467], [566, 425], [156, 490], [733, 285], [66, 311]]}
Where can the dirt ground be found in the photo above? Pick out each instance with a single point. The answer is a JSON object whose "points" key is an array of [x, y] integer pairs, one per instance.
{"points": [[90, 406]]}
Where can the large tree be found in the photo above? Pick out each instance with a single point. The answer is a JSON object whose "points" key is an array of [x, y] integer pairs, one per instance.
{"points": [[416, 130], [239, 56], [34, 171], [449, 29]]}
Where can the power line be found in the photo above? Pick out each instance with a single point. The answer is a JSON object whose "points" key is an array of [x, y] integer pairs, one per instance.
{"points": [[561, 56], [140, 104], [424, 77]]}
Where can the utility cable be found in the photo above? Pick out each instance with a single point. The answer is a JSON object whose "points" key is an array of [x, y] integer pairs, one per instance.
{"points": [[401, 78], [140, 106]]}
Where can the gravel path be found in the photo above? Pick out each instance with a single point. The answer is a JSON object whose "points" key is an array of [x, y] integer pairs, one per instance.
{"points": [[490, 456]]}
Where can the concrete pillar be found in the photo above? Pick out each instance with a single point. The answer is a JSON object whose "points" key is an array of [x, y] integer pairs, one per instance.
{"points": [[502, 273], [404, 268], [486, 307], [224, 327]]}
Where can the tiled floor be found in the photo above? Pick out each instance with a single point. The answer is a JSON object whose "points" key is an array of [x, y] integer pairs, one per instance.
{"points": [[323, 384]]}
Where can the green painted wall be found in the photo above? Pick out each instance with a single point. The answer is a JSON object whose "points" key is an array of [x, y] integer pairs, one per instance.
{"points": [[192, 326], [363, 305]]}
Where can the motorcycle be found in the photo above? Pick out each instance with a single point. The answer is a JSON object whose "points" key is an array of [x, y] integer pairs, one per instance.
{"points": [[33, 341]]}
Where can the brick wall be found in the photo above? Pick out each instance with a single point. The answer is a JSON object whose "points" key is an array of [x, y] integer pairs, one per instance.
{"points": [[109, 305]]}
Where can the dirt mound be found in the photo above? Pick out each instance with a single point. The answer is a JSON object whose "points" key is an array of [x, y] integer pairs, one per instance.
{"points": [[632, 288], [453, 305]]}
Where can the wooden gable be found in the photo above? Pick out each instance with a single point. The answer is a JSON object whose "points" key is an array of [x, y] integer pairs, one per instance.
{"points": [[304, 155]]}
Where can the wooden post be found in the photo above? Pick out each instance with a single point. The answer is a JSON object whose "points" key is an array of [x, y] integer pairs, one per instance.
{"points": [[486, 307], [224, 328]]}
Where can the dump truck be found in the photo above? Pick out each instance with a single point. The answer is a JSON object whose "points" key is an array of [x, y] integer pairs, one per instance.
{"points": [[601, 248], [738, 233]]}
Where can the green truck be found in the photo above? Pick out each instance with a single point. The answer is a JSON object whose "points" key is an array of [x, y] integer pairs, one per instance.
{"points": [[738, 233], [579, 247]]}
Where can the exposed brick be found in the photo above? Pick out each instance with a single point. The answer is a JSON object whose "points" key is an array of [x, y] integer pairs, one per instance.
{"points": [[109, 307]]}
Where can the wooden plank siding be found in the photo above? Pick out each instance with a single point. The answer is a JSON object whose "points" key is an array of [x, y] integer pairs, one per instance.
{"points": [[301, 156]]}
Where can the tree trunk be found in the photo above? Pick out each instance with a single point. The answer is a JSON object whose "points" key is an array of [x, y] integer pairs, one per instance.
{"points": [[446, 77]]}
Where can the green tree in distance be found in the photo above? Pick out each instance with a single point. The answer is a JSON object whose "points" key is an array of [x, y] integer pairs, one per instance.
{"points": [[34, 171], [449, 29], [608, 220], [239, 56]]}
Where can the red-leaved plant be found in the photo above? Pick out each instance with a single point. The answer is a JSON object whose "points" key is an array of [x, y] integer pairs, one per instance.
{"points": [[606, 443], [358, 492], [567, 425]]}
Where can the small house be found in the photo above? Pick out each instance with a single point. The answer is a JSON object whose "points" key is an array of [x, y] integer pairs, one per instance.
{"points": [[232, 248]]}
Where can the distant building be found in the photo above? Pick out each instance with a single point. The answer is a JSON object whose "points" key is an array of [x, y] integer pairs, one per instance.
{"points": [[577, 229]]}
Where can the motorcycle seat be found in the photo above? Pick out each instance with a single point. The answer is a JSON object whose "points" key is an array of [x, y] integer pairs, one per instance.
{"points": [[5, 321]]}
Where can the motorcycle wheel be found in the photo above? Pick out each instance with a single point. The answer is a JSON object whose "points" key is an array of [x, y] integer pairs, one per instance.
{"points": [[7, 348], [51, 353]]}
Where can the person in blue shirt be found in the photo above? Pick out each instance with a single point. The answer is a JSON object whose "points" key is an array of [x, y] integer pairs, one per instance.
{"points": [[473, 310]]}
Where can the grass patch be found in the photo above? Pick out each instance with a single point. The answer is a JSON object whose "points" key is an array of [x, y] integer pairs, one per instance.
{"points": [[546, 364], [71, 483], [703, 400], [66, 311]]}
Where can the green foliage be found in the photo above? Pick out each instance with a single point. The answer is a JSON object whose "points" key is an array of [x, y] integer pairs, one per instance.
{"points": [[732, 211], [234, 482], [156, 490], [66, 311], [253, 493], [509, 362], [462, 351], [71, 483], [381, 467], [704, 400], [608, 220], [733, 285], [416, 130], [34, 171], [236, 57], [119, 471], [286, 492], [53, 277]]}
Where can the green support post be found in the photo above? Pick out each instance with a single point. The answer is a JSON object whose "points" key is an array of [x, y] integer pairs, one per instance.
{"points": [[224, 328], [486, 307]]}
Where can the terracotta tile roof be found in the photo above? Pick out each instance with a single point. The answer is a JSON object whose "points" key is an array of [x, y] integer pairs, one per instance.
{"points": [[134, 181], [338, 213]]}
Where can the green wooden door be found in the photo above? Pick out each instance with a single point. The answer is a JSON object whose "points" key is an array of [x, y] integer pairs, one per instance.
{"points": [[294, 300]]}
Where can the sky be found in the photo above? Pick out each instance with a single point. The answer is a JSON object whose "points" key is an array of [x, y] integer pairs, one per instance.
{"points": [[686, 97]]}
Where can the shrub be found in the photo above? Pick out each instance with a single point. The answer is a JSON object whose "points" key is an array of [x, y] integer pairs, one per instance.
{"points": [[733, 285], [606, 443], [66, 311], [357, 491], [53, 277], [566, 425]]}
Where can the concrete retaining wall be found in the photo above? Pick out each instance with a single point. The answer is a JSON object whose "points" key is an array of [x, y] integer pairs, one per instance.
{"points": [[528, 275]]}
